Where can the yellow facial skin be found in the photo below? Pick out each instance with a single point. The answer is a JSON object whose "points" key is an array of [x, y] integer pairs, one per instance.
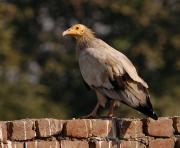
{"points": [[75, 31]]}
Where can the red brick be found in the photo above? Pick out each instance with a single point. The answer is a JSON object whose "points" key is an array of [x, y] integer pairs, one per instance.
{"points": [[12, 145], [176, 124], [22, 129], [90, 128], [131, 144], [78, 128], [130, 128], [163, 127], [161, 143], [42, 144], [103, 128], [177, 144], [74, 144], [3, 131], [103, 144], [48, 127]]}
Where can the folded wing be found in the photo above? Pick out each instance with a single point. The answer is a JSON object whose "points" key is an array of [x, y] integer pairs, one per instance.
{"points": [[112, 74]]}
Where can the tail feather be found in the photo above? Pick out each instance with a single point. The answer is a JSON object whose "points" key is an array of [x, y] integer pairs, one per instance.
{"points": [[147, 111], [137, 97]]}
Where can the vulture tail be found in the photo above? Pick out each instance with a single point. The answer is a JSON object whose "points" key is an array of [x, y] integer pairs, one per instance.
{"points": [[136, 96], [147, 111]]}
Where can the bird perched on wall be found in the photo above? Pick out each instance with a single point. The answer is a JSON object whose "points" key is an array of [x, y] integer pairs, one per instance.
{"points": [[109, 73]]}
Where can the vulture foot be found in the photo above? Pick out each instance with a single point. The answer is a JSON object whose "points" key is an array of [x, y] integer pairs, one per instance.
{"points": [[111, 110], [89, 116], [93, 114]]}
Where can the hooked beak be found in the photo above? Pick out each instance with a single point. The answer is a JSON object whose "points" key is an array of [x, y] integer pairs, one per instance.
{"points": [[70, 32], [65, 33]]}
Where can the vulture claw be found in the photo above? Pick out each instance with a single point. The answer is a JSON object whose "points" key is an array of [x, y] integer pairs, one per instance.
{"points": [[93, 113], [110, 113], [89, 116]]}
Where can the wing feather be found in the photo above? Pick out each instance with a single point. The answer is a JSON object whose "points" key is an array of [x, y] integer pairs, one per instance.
{"points": [[111, 73], [121, 62]]}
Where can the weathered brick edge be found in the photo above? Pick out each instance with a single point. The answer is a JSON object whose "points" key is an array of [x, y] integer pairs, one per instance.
{"points": [[91, 133]]}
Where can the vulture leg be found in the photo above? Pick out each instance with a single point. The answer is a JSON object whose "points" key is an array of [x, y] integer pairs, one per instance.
{"points": [[93, 113], [101, 102], [111, 109]]}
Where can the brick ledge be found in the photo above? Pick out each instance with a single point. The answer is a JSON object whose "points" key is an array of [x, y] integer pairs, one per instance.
{"points": [[91, 133]]}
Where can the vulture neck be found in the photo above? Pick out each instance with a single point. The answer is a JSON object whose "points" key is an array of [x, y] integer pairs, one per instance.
{"points": [[85, 41]]}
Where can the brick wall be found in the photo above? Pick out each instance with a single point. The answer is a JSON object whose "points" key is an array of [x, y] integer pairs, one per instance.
{"points": [[91, 133]]}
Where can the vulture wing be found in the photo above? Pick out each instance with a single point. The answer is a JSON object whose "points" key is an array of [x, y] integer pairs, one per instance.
{"points": [[111, 73]]}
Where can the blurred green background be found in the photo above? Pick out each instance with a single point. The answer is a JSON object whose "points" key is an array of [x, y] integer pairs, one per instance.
{"points": [[39, 74]]}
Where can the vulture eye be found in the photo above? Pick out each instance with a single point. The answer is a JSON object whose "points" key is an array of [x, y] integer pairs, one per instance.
{"points": [[77, 28]]}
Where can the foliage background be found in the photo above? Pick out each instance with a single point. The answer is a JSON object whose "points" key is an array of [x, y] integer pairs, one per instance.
{"points": [[39, 75]]}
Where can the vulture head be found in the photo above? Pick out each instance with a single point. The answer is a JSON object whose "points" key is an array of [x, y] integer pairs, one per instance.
{"points": [[79, 31]]}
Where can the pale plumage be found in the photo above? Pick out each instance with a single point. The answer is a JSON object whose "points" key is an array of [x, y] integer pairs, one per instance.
{"points": [[109, 72]]}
